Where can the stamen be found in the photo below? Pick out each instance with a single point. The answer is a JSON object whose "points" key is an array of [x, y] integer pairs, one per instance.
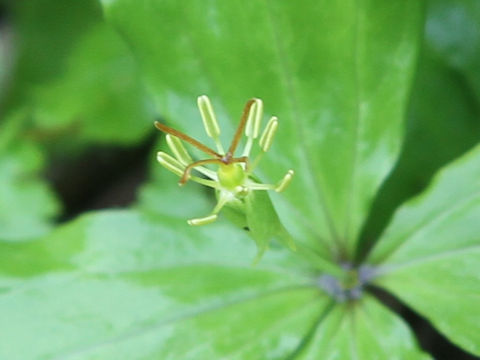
{"points": [[268, 134], [254, 121], [252, 127], [176, 146], [207, 172], [282, 184], [257, 186], [210, 121], [173, 165], [206, 182], [202, 221], [170, 163], [189, 168]]}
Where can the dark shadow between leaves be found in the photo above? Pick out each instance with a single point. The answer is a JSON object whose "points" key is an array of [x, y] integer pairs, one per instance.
{"points": [[102, 177], [428, 337]]}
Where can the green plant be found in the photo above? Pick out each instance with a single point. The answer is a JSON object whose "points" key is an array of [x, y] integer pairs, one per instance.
{"points": [[142, 284]]}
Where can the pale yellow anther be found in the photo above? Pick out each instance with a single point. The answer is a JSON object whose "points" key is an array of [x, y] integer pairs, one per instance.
{"points": [[268, 134], [282, 184], [170, 163], [254, 119], [203, 221], [208, 117], [177, 148]]}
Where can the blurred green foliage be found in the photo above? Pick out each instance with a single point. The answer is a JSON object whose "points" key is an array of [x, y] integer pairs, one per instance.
{"points": [[72, 82], [341, 75]]}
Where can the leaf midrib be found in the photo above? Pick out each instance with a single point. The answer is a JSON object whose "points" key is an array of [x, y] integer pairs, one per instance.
{"points": [[356, 144], [292, 101]]}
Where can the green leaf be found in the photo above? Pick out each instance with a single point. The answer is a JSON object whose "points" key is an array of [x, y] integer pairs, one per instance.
{"points": [[27, 204], [339, 127], [429, 253], [116, 283], [75, 78], [99, 97], [366, 330], [443, 124], [263, 222], [46, 35]]}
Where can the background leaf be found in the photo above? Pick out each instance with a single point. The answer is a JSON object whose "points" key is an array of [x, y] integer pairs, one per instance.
{"points": [[444, 110], [430, 251], [453, 31], [340, 125], [74, 79], [27, 204], [121, 284], [443, 124], [99, 97]]}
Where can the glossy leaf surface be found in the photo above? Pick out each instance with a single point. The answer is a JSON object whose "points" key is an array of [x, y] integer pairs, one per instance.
{"points": [[430, 252], [340, 97], [117, 283]]}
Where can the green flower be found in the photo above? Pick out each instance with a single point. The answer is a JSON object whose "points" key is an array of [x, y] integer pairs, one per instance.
{"points": [[234, 179]]}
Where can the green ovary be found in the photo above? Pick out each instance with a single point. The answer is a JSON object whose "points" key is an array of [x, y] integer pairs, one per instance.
{"points": [[230, 176]]}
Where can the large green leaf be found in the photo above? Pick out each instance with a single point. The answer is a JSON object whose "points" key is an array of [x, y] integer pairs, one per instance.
{"points": [[430, 252], [365, 330], [336, 73], [116, 284]]}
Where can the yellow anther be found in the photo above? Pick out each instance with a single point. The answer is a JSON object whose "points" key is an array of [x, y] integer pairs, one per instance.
{"points": [[282, 184], [268, 134]]}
